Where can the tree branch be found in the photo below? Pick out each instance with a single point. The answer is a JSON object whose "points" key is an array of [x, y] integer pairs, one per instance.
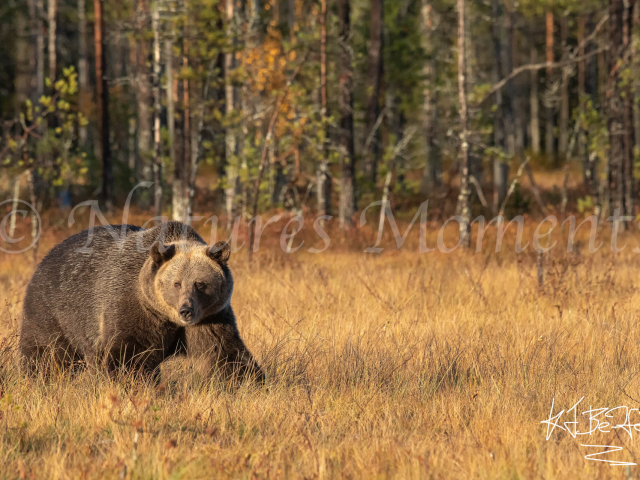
{"points": [[537, 66]]}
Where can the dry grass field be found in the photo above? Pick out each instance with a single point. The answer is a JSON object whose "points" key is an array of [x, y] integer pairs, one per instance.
{"points": [[400, 365]]}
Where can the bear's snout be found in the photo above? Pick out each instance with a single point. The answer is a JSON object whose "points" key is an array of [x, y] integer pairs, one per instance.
{"points": [[187, 313]]}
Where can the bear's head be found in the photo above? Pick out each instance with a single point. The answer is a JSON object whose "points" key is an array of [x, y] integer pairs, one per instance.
{"points": [[190, 281]]}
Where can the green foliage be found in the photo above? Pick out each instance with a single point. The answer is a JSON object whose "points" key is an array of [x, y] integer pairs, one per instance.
{"points": [[265, 47], [585, 204], [595, 124], [45, 137]]}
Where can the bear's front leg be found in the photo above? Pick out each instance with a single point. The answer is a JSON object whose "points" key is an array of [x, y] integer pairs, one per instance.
{"points": [[220, 346]]}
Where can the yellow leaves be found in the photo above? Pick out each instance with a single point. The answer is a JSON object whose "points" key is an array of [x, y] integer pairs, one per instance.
{"points": [[292, 55], [63, 105], [61, 86]]}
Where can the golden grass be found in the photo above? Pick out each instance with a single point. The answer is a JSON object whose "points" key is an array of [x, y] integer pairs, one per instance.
{"points": [[394, 365]]}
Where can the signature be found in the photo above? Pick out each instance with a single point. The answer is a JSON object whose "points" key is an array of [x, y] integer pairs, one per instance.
{"points": [[598, 420]]}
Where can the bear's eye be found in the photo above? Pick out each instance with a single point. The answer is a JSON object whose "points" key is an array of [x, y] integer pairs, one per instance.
{"points": [[177, 285], [200, 286]]}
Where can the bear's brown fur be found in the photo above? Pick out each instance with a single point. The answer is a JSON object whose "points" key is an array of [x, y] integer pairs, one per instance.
{"points": [[136, 298]]}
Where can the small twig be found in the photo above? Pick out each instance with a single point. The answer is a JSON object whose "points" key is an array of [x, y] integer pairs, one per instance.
{"points": [[535, 190], [513, 186], [374, 294], [483, 200], [565, 196], [375, 127]]}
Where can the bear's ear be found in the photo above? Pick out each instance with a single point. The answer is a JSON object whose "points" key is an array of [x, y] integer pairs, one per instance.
{"points": [[220, 252], [161, 253]]}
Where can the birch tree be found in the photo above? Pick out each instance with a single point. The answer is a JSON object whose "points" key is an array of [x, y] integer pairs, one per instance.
{"points": [[230, 135], [464, 206], [324, 178]]}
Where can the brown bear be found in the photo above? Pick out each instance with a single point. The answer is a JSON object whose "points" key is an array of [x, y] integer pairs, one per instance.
{"points": [[122, 296]]}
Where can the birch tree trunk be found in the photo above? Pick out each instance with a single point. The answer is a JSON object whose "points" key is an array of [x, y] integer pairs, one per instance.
{"points": [[230, 135], [324, 178], [345, 102], [179, 193], [14, 204], [463, 199]]}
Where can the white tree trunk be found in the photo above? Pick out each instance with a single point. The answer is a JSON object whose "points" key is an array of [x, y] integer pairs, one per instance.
{"points": [[463, 198], [230, 136]]}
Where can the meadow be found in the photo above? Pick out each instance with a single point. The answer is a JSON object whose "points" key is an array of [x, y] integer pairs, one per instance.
{"points": [[398, 364]]}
